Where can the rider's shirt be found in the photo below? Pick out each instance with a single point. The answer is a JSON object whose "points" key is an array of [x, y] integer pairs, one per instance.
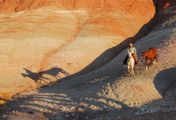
{"points": [[132, 50]]}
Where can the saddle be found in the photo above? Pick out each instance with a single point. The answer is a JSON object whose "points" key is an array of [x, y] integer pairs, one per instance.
{"points": [[135, 58], [126, 59]]}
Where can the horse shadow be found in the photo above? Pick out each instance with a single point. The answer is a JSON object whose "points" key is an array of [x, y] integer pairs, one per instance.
{"points": [[54, 71], [33, 75], [38, 76]]}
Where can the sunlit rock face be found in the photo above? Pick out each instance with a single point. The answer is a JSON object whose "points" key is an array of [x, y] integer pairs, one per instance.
{"points": [[70, 34]]}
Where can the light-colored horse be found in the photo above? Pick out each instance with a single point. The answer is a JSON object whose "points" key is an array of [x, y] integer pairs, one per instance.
{"points": [[130, 64]]}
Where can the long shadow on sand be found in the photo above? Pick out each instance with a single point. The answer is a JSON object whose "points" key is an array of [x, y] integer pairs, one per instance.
{"points": [[33, 75], [38, 76], [54, 71]]}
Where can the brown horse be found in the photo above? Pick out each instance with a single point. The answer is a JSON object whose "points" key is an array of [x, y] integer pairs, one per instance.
{"points": [[150, 56]]}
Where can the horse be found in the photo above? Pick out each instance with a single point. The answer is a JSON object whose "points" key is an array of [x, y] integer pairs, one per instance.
{"points": [[130, 62], [150, 56]]}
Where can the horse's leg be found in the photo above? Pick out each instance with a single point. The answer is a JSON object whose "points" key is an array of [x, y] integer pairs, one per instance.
{"points": [[147, 65], [152, 61], [132, 68], [146, 61], [156, 59], [128, 69]]}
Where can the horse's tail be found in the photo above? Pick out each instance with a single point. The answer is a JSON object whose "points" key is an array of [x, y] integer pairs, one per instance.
{"points": [[125, 60]]}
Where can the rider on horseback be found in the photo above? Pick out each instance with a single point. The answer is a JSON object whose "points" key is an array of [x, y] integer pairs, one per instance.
{"points": [[132, 50], [131, 59]]}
